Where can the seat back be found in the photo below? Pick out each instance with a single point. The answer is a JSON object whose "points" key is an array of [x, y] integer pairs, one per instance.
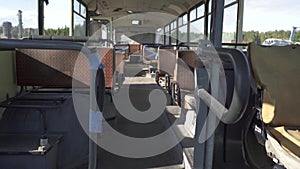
{"points": [[189, 57], [109, 61], [184, 69], [49, 68], [58, 68], [134, 48], [277, 71], [166, 62], [122, 49], [149, 52]]}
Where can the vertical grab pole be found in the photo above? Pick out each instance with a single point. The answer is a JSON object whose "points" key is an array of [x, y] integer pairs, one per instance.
{"points": [[95, 116], [41, 16]]}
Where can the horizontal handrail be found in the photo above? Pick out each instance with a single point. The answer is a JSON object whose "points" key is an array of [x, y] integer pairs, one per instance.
{"points": [[208, 99], [235, 44], [70, 39]]}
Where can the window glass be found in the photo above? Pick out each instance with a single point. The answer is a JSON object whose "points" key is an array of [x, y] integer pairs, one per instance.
{"points": [[79, 26], [9, 11], [180, 21], [193, 14], [83, 10], [185, 19], [175, 24], [197, 30], [167, 39], [182, 34], [57, 18], [173, 37], [104, 32], [167, 29], [228, 2], [229, 24], [200, 11], [76, 6], [162, 39]]}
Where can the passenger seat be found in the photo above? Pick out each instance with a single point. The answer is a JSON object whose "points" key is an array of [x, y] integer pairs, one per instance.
{"points": [[184, 75], [277, 72]]}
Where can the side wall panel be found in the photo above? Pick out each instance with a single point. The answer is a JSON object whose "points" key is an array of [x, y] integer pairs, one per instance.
{"points": [[7, 75]]}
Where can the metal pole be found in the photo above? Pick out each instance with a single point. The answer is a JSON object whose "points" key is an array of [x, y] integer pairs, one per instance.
{"points": [[217, 19], [95, 116], [188, 29], [71, 31], [206, 11], [41, 16], [202, 109], [93, 135], [240, 21]]}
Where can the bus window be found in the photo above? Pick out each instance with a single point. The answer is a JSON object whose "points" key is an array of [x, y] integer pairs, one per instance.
{"points": [[200, 11], [193, 14], [227, 2], [79, 25], [197, 30], [183, 29], [57, 18], [197, 26], [167, 35], [174, 32], [229, 24], [79, 19], [182, 33], [12, 15]]}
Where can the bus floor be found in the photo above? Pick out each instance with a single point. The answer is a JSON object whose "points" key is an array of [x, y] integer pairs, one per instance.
{"points": [[139, 89]]}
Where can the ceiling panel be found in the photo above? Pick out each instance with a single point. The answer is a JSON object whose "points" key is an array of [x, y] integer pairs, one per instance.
{"points": [[117, 8], [151, 13]]}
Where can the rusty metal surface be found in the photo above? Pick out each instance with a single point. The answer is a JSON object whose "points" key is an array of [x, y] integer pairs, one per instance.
{"points": [[123, 49], [183, 74], [119, 62], [57, 68], [51, 68], [107, 58], [134, 48], [166, 62]]}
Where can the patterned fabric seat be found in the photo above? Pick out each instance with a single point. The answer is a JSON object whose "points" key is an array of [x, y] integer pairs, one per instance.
{"points": [[186, 60], [166, 62], [59, 68]]}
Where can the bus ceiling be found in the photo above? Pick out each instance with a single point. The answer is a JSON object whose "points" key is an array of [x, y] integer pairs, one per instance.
{"points": [[116, 9]]}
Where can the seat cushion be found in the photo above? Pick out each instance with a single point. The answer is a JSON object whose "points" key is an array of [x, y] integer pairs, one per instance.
{"points": [[289, 139], [189, 102]]}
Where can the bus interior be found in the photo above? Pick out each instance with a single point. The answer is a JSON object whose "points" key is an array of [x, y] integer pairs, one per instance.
{"points": [[133, 87]]}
